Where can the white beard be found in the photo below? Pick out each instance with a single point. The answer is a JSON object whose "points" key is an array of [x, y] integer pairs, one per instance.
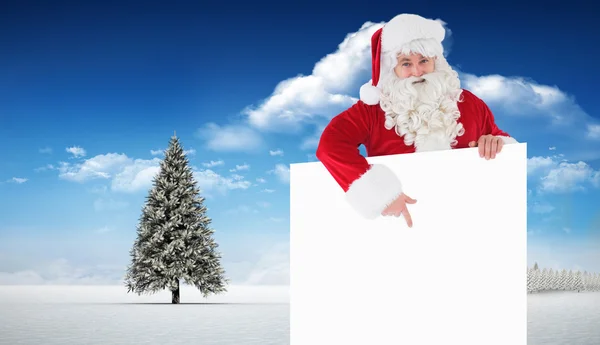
{"points": [[425, 114]]}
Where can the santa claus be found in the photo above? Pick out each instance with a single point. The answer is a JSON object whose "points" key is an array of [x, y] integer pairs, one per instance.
{"points": [[413, 103]]}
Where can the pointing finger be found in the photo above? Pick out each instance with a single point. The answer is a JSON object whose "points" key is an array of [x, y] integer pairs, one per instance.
{"points": [[408, 218], [410, 200]]}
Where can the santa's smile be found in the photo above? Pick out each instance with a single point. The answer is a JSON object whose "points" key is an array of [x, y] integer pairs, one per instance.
{"points": [[419, 81]]}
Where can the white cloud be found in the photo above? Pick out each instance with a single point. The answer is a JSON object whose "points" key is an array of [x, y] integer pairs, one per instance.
{"points": [[132, 175], [593, 131], [98, 167], [566, 177], [536, 164], [17, 180], [46, 150], [261, 180], [240, 167], [552, 148], [230, 138], [268, 190], [209, 180], [282, 171], [522, 94], [44, 168], [128, 175], [136, 176], [324, 93], [542, 208], [237, 177], [555, 175], [553, 112], [76, 151], [277, 152], [212, 164]]}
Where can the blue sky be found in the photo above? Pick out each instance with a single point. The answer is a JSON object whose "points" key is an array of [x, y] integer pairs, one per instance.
{"points": [[90, 94]]}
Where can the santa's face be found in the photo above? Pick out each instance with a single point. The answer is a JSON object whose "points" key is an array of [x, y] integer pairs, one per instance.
{"points": [[420, 102], [414, 65]]}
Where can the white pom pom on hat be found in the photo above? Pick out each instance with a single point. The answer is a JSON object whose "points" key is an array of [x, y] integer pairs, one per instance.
{"points": [[390, 39], [369, 94]]}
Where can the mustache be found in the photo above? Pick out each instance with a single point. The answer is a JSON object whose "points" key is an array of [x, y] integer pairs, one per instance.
{"points": [[424, 78]]}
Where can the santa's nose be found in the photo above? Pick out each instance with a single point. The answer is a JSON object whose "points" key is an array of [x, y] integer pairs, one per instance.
{"points": [[417, 72]]}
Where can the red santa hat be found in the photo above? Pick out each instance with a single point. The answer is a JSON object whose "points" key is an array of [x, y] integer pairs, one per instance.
{"points": [[399, 36]]}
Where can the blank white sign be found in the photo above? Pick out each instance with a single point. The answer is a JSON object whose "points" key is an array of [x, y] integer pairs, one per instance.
{"points": [[458, 276]]}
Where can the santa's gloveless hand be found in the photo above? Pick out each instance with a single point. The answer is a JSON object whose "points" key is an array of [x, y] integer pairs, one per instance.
{"points": [[399, 207], [489, 145]]}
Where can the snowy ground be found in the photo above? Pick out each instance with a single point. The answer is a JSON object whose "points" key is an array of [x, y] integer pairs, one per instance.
{"points": [[77, 315], [247, 315], [563, 318]]}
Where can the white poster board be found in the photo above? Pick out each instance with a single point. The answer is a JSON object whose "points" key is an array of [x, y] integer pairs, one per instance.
{"points": [[458, 276]]}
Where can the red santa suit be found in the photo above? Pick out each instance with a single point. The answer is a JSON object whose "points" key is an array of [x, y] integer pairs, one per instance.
{"points": [[371, 188]]}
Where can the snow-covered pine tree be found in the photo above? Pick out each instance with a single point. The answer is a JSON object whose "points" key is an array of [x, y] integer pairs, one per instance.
{"points": [[585, 277], [556, 281], [174, 239], [551, 284], [578, 282], [535, 280], [560, 280], [571, 281], [544, 280]]}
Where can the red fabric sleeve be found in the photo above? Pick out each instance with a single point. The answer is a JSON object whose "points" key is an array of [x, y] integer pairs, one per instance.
{"points": [[369, 188], [339, 145]]}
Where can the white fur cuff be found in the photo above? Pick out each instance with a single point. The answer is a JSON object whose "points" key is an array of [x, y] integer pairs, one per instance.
{"points": [[371, 193], [508, 140]]}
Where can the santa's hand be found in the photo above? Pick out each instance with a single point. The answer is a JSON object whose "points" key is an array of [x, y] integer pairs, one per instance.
{"points": [[489, 145], [398, 207]]}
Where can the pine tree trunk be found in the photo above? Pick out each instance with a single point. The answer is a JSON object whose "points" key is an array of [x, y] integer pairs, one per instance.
{"points": [[175, 294]]}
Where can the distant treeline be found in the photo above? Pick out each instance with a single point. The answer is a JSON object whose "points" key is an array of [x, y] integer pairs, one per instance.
{"points": [[551, 280]]}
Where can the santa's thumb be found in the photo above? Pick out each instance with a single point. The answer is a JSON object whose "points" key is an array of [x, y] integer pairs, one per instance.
{"points": [[473, 144]]}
